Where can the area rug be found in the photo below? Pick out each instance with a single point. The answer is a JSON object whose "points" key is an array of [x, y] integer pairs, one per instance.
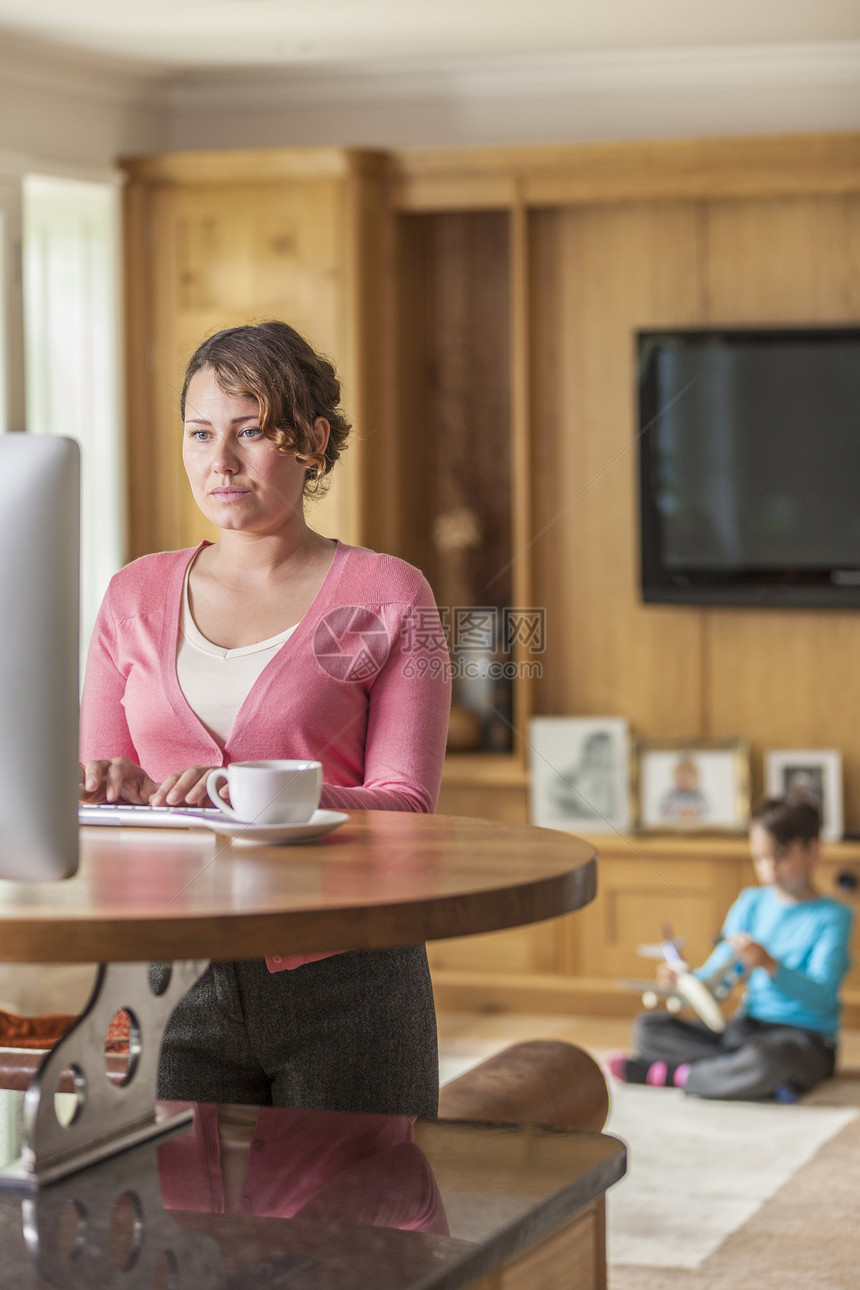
{"points": [[727, 1196], [804, 1237], [699, 1170]]}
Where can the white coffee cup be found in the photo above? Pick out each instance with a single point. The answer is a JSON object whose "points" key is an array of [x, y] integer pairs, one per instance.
{"points": [[268, 792]]}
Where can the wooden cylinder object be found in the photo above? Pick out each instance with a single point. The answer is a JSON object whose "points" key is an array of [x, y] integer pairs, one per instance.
{"points": [[540, 1081]]}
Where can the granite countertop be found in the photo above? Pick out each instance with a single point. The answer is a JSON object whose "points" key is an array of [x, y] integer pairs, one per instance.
{"points": [[262, 1197]]}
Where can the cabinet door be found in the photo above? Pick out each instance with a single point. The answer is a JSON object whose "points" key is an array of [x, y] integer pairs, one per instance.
{"points": [[217, 255], [519, 952], [638, 896]]}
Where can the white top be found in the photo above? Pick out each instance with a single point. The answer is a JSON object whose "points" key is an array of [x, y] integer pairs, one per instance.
{"points": [[217, 681]]}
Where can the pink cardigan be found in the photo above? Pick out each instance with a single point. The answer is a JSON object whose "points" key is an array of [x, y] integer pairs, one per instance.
{"points": [[362, 685]]}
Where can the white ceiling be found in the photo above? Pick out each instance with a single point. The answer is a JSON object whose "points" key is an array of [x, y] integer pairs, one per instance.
{"points": [[179, 34]]}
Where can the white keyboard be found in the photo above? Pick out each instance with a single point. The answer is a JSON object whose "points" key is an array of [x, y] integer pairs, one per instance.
{"points": [[148, 817]]}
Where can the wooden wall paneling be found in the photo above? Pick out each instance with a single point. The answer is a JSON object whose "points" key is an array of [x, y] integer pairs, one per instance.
{"points": [[523, 656], [785, 678], [137, 339], [454, 427], [171, 522], [557, 444], [462, 410], [599, 273], [400, 524], [366, 290], [777, 261], [851, 210]]}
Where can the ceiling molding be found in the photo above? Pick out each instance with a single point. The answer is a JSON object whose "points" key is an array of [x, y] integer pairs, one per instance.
{"points": [[17, 165], [54, 70], [823, 64]]}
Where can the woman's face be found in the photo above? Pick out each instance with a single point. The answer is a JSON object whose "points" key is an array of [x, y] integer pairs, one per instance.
{"points": [[238, 478]]}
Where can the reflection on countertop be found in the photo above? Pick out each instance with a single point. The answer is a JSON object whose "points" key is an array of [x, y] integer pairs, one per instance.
{"points": [[301, 1200], [314, 1165]]}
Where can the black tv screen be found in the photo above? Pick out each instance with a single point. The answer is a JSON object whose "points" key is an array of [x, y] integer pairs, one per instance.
{"points": [[750, 466]]}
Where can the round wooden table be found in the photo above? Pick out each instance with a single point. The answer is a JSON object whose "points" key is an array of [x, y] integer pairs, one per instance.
{"points": [[381, 879], [384, 878]]}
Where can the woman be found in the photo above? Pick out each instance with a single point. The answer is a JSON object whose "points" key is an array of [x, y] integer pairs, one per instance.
{"points": [[275, 642]]}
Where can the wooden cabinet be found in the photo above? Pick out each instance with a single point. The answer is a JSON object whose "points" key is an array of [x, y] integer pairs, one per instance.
{"points": [[217, 239], [574, 964], [573, 1254]]}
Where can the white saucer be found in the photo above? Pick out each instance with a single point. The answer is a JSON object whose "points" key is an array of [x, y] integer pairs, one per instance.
{"points": [[282, 834]]}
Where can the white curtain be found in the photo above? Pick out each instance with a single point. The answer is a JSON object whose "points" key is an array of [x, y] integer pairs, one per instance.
{"points": [[11, 315], [72, 355]]}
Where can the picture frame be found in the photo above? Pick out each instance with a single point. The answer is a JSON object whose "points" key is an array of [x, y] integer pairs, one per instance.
{"points": [[692, 785], [580, 773], [818, 771]]}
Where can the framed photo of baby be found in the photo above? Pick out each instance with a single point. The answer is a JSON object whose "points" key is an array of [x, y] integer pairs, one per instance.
{"points": [[580, 773], [689, 786], [817, 771]]}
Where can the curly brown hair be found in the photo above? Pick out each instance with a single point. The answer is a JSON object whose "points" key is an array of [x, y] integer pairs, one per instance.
{"points": [[292, 383]]}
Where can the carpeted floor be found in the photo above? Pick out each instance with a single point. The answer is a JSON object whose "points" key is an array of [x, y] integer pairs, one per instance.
{"points": [[800, 1233], [699, 1170], [806, 1236]]}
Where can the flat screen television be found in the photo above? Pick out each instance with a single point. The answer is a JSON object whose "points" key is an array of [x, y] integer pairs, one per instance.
{"points": [[749, 455]]}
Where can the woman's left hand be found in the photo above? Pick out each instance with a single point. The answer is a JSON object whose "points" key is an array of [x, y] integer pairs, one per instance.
{"points": [[185, 788]]}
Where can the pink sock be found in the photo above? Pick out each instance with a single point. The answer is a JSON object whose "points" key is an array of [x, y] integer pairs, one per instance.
{"points": [[657, 1075], [616, 1065], [681, 1074]]}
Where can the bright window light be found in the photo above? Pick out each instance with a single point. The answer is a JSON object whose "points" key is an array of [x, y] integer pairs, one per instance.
{"points": [[72, 348]]}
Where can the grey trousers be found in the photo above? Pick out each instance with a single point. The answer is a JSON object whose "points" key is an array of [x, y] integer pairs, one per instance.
{"points": [[750, 1059], [354, 1032]]}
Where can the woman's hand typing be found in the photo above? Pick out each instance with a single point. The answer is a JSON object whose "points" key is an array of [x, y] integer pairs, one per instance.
{"points": [[185, 788], [116, 779]]}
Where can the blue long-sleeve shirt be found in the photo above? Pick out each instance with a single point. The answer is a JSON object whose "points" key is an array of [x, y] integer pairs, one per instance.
{"points": [[809, 940]]}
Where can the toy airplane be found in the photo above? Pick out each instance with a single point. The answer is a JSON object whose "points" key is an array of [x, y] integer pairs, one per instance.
{"points": [[688, 990]]}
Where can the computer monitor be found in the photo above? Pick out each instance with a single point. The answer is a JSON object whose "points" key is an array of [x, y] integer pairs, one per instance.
{"points": [[39, 696]]}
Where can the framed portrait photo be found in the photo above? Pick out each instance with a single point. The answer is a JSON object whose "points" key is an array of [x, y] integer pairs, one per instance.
{"points": [[818, 771], [690, 785], [580, 773]]}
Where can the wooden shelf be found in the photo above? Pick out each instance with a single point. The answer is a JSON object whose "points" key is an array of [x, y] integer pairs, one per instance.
{"points": [[501, 770]]}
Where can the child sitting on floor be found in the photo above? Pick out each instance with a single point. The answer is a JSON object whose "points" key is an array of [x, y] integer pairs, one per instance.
{"points": [[794, 942]]}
